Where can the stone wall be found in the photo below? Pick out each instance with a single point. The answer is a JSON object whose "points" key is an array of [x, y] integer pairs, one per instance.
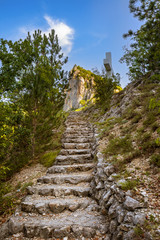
{"points": [[123, 212]]}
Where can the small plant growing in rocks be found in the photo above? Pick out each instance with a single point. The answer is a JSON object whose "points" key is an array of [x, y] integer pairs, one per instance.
{"points": [[119, 145], [155, 160]]}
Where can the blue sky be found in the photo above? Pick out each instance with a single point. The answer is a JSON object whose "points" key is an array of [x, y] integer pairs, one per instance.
{"points": [[86, 28]]}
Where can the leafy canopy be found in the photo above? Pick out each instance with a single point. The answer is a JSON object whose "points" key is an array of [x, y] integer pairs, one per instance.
{"points": [[143, 57]]}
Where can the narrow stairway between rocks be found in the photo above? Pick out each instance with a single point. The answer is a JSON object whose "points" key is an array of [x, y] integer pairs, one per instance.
{"points": [[59, 205]]}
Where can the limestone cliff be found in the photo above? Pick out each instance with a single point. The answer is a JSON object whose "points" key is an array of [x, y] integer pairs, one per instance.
{"points": [[80, 88]]}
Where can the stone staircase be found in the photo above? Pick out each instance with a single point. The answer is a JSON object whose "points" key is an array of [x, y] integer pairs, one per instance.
{"points": [[59, 206]]}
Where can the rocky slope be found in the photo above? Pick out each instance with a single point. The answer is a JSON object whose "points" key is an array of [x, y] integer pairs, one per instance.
{"points": [[128, 139]]}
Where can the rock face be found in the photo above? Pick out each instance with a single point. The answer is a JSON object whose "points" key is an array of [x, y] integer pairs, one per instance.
{"points": [[59, 206], [80, 88]]}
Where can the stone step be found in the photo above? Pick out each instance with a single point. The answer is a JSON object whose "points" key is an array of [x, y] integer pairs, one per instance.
{"points": [[83, 223], [77, 128], [76, 145], [70, 168], [41, 205], [75, 151], [71, 159], [78, 140], [59, 191], [72, 178], [79, 123], [77, 135]]}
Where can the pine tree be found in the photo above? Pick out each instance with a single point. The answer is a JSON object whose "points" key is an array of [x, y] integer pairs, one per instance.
{"points": [[143, 57], [32, 78]]}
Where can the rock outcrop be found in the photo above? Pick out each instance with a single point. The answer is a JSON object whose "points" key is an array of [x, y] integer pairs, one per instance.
{"points": [[80, 88]]}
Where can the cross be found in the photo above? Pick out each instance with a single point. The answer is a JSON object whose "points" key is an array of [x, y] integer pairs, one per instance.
{"points": [[108, 64]]}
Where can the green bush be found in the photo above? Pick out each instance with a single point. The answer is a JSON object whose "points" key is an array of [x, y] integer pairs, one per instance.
{"points": [[25, 185], [119, 145], [149, 120], [129, 184], [137, 118], [48, 158], [155, 160]]}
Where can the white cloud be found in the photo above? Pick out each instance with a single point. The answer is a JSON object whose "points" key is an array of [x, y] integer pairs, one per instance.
{"points": [[64, 32]]}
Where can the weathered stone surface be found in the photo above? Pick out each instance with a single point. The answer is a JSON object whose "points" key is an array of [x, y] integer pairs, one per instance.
{"points": [[76, 145], [139, 219], [40, 207], [120, 214], [78, 90], [4, 231], [75, 151], [131, 204], [112, 210], [110, 202], [61, 232], [129, 235], [15, 226], [107, 196], [113, 226], [109, 170], [66, 178], [129, 217], [71, 168], [89, 232]]}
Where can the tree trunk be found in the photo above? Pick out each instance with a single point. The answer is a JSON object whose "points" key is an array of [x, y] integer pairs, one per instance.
{"points": [[34, 123]]}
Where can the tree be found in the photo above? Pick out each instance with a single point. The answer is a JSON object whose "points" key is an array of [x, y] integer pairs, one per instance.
{"points": [[104, 87], [32, 78], [143, 57]]}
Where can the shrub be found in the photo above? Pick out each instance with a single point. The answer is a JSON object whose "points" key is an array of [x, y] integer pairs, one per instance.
{"points": [[155, 160], [149, 120], [129, 184], [119, 145], [137, 118], [48, 158], [25, 185]]}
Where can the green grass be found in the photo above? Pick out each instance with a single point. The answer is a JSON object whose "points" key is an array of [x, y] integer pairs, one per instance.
{"points": [[119, 145], [129, 184], [155, 160], [48, 158], [138, 231], [25, 185]]}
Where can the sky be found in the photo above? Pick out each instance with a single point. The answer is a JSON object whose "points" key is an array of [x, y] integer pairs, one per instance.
{"points": [[86, 29]]}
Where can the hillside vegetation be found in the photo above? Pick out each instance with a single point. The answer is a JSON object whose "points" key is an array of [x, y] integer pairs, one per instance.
{"points": [[32, 84], [129, 139]]}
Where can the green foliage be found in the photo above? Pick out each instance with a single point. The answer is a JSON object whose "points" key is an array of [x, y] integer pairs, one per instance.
{"points": [[86, 74], [154, 104], [48, 158], [149, 120], [138, 231], [25, 185], [32, 84], [155, 160], [6, 201], [144, 53], [119, 145], [129, 184], [136, 118], [104, 89]]}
